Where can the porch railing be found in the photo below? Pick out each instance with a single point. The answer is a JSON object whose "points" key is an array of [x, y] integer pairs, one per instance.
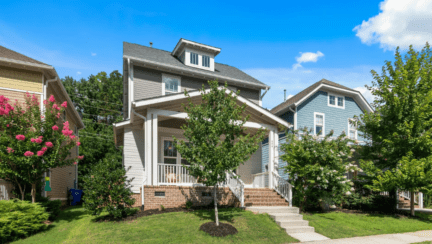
{"points": [[282, 187], [174, 174], [407, 195], [236, 186], [260, 180]]}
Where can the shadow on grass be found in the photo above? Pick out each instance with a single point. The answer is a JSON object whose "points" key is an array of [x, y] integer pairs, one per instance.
{"points": [[227, 214]]}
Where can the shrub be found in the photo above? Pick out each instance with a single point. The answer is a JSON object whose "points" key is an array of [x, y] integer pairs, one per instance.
{"points": [[106, 188], [189, 204], [20, 219], [52, 207]]}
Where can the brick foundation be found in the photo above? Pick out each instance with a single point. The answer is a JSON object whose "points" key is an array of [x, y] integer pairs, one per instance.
{"points": [[177, 196]]}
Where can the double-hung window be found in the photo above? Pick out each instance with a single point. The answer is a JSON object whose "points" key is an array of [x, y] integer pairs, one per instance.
{"points": [[194, 58], [319, 124], [205, 61], [170, 154], [336, 101], [171, 84], [352, 129]]}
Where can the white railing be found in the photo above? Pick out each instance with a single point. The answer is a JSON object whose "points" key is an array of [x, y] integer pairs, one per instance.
{"points": [[174, 174], [261, 180], [236, 186], [3, 193], [282, 187]]}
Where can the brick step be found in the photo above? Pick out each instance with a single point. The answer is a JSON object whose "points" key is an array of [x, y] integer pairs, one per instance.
{"points": [[266, 204], [258, 189], [266, 201], [263, 197]]}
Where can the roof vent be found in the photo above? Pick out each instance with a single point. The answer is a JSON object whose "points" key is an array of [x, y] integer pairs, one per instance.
{"points": [[151, 44], [284, 95]]}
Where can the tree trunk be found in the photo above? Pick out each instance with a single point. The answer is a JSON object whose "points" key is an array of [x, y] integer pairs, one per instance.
{"points": [[21, 191], [412, 203], [215, 205], [33, 193]]}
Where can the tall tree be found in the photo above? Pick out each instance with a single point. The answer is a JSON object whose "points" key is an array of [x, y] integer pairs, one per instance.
{"points": [[216, 140], [99, 99], [401, 124]]}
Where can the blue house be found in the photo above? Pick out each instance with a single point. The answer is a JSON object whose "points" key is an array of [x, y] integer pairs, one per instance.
{"points": [[322, 107]]}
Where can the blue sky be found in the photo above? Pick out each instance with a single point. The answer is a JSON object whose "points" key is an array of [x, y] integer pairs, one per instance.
{"points": [[287, 44]]}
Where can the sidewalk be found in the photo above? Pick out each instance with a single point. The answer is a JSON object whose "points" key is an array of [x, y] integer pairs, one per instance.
{"points": [[403, 238]]}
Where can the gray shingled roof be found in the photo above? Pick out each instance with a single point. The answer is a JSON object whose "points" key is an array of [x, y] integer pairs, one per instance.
{"points": [[165, 57], [9, 54], [305, 92]]}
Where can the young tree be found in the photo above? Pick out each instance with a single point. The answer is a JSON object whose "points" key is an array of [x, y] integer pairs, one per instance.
{"points": [[316, 166], [217, 142], [401, 124], [31, 141], [106, 187], [410, 175]]}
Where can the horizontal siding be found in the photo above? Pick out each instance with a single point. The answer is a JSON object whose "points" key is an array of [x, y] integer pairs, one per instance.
{"points": [[265, 158], [133, 156], [250, 94], [20, 79], [147, 83], [250, 167]]}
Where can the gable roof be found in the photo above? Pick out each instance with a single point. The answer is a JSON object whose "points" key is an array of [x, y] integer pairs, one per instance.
{"points": [[297, 99], [6, 53], [165, 58]]}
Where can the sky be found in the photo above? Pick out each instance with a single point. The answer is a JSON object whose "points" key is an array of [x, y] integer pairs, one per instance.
{"points": [[287, 44]]}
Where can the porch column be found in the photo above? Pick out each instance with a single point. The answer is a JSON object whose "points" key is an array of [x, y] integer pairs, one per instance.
{"points": [[155, 148], [271, 158], [276, 151], [147, 150]]}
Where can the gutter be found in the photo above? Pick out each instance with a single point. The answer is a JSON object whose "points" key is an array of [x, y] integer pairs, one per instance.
{"points": [[266, 90], [144, 177]]}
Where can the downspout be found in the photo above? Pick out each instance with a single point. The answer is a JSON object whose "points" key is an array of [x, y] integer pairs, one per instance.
{"points": [[144, 177], [45, 98], [294, 117]]}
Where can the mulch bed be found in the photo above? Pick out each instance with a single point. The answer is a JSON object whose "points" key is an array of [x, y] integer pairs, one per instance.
{"points": [[220, 231]]}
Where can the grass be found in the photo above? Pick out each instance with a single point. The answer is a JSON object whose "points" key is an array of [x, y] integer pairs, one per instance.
{"points": [[336, 225], [75, 225]]}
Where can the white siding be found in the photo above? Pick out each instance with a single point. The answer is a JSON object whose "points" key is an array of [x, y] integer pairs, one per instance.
{"points": [[250, 167], [134, 156]]}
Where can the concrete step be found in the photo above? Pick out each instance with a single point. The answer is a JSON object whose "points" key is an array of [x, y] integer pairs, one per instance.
{"points": [[286, 216], [291, 223], [278, 210], [299, 229], [253, 204]]}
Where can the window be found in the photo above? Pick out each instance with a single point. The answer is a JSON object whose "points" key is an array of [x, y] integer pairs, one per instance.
{"points": [[352, 129], [170, 154], [336, 101], [194, 58], [170, 84], [319, 124], [205, 61], [159, 193]]}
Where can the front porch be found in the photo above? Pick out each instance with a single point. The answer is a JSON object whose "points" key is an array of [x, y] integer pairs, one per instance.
{"points": [[150, 149]]}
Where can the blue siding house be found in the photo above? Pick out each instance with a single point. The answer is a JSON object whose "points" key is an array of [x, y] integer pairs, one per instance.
{"points": [[322, 107]]}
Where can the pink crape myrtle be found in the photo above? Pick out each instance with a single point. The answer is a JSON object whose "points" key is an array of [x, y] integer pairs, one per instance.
{"points": [[31, 141]]}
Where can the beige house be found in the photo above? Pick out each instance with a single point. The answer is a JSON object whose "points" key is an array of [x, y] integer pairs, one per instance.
{"points": [[154, 81], [20, 74]]}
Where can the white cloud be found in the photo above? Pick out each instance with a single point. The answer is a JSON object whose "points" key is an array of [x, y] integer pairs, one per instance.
{"points": [[78, 73], [296, 80], [400, 23], [93, 54], [366, 93], [307, 57]]}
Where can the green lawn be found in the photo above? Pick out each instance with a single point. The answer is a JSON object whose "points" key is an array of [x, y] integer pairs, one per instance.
{"points": [[75, 225], [336, 225]]}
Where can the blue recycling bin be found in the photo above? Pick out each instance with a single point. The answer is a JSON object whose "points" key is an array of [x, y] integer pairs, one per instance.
{"points": [[76, 196]]}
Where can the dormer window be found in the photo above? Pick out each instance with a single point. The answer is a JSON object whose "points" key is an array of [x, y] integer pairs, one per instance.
{"points": [[205, 61], [336, 101], [170, 84], [194, 58]]}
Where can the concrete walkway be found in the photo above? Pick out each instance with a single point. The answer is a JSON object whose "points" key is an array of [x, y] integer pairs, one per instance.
{"points": [[420, 210], [403, 238]]}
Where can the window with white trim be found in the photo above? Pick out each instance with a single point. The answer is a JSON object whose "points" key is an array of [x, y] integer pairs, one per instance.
{"points": [[352, 129], [170, 154], [170, 84], [205, 61], [319, 121], [194, 58], [336, 101]]}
